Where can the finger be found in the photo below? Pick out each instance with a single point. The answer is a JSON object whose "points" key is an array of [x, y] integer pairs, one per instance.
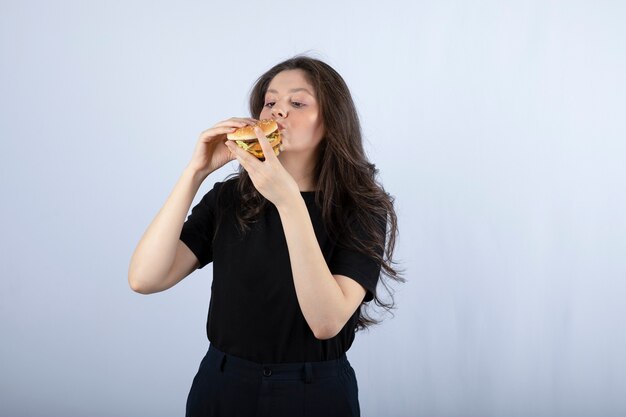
{"points": [[233, 122], [237, 122], [268, 152], [215, 131], [246, 120], [247, 161], [231, 155]]}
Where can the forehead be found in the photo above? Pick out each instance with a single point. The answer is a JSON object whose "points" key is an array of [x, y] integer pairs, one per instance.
{"points": [[286, 81]]}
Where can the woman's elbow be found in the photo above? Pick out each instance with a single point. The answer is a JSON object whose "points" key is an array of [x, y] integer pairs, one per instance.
{"points": [[140, 280], [135, 285], [138, 286], [326, 332]]}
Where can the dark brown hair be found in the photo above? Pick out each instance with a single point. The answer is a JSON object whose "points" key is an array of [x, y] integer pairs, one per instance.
{"points": [[351, 199]]}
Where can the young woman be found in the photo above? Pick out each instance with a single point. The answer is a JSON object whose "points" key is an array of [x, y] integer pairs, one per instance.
{"points": [[298, 243]]}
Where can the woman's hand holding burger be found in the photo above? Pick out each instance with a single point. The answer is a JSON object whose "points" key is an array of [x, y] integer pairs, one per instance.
{"points": [[210, 152], [269, 177]]}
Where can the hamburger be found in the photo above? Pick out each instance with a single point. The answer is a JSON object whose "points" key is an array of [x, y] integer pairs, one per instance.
{"points": [[246, 139]]}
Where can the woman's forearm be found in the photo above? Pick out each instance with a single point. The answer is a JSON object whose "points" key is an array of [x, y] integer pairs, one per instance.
{"points": [[320, 297], [155, 252]]}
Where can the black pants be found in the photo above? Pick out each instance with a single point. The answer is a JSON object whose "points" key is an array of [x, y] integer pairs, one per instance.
{"points": [[229, 386]]}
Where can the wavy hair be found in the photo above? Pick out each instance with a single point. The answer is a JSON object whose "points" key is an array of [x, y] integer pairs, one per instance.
{"points": [[351, 199]]}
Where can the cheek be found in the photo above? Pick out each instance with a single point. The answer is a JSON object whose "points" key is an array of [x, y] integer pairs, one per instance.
{"points": [[266, 113], [316, 125]]}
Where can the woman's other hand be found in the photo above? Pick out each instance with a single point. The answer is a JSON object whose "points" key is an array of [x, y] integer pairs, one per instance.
{"points": [[210, 152]]}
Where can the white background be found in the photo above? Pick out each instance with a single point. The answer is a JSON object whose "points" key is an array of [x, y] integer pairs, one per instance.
{"points": [[498, 126]]}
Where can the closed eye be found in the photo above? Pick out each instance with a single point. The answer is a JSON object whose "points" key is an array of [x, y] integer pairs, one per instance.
{"points": [[297, 104]]}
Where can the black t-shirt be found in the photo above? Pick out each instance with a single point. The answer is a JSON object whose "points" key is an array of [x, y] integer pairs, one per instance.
{"points": [[254, 312]]}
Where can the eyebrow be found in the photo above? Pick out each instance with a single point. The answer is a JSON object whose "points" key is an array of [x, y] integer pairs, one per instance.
{"points": [[293, 90]]}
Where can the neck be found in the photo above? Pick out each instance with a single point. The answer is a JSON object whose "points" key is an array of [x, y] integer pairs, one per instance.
{"points": [[301, 168]]}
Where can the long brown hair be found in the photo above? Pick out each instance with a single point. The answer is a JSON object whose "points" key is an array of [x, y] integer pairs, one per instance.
{"points": [[351, 199]]}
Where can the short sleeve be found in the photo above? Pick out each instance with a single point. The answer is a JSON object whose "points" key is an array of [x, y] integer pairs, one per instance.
{"points": [[198, 229], [348, 261]]}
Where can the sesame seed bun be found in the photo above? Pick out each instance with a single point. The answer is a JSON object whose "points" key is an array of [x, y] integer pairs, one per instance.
{"points": [[247, 132]]}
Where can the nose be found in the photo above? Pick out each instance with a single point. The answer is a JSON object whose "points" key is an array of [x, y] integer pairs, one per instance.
{"points": [[277, 112]]}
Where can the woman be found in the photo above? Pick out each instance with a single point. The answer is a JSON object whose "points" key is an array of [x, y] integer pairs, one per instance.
{"points": [[298, 243]]}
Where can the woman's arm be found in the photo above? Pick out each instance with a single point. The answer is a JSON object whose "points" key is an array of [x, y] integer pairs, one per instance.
{"points": [[159, 246], [161, 260], [326, 301]]}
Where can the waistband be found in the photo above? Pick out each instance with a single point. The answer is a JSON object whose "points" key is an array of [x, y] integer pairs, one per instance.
{"points": [[306, 371]]}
